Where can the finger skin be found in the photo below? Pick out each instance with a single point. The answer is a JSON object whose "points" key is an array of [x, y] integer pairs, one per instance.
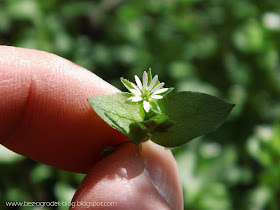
{"points": [[44, 112], [131, 179]]}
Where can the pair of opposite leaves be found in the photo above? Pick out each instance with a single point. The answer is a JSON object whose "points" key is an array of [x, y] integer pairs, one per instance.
{"points": [[185, 116]]}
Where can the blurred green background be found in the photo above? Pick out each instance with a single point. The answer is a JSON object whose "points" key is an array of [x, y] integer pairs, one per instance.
{"points": [[229, 49]]}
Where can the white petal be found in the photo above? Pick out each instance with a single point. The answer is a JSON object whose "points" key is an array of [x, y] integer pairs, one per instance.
{"points": [[153, 82], [146, 106], [161, 91], [157, 87], [145, 80], [138, 82], [136, 98], [135, 92], [135, 87], [156, 97]]}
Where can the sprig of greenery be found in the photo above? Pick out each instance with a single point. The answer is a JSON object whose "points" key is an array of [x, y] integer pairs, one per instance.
{"points": [[147, 112]]}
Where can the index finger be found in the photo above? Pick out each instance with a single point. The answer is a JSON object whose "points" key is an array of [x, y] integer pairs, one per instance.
{"points": [[44, 112]]}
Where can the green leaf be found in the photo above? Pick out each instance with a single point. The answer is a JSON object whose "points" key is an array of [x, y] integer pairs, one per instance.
{"points": [[150, 77], [119, 113], [194, 114], [127, 83], [155, 107], [183, 117], [159, 123]]}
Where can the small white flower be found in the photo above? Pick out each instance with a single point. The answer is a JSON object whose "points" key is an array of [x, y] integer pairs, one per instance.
{"points": [[146, 92]]}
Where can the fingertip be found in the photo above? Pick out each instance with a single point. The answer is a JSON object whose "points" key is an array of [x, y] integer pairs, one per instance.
{"points": [[126, 179], [44, 112]]}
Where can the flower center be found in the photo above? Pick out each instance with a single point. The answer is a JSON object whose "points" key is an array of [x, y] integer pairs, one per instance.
{"points": [[145, 95]]}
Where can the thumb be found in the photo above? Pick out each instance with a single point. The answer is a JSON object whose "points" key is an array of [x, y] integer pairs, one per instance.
{"points": [[132, 179]]}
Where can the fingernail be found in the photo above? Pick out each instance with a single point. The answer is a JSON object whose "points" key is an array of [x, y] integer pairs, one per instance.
{"points": [[162, 168]]}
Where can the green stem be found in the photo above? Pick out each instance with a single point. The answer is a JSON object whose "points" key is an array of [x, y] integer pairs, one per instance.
{"points": [[112, 148], [125, 142]]}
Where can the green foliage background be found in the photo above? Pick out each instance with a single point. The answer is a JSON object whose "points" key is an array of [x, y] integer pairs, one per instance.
{"points": [[229, 49]]}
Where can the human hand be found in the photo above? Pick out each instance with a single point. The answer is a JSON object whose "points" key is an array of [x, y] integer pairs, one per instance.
{"points": [[45, 115]]}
